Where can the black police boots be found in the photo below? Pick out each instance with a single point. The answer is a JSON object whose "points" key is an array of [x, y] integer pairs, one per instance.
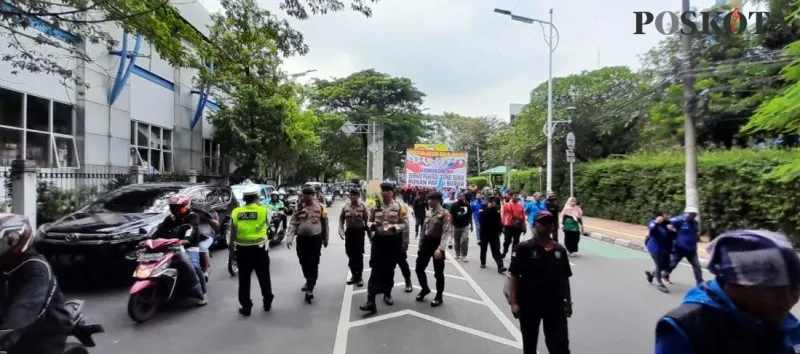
{"points": [[422, 294], [387, 299], [437, 301], [369, 306], [309, 296], [244, 311]]}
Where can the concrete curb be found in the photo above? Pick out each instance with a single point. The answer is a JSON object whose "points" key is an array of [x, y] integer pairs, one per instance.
{"points": [[621, 242]]}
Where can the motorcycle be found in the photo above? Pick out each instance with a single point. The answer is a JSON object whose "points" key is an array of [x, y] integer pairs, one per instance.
{"points": [[80, 330], [291, 204], [276, 232], [233, 266], [156, 277]]}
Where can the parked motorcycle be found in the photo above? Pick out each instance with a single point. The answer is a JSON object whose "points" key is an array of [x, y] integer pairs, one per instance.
{"points": [[80, 330], [156, 277], [233, 266], [276, 232]]}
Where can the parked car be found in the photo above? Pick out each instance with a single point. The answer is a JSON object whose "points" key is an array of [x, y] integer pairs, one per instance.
{"points": [[106, 230]]}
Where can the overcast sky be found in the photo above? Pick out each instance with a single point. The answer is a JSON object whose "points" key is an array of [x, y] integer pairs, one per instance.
{"points": [[466, 58]]}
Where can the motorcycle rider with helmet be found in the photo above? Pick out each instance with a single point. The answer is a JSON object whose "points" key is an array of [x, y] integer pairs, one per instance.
{"points": [[276, 207], [33, 318], [173, 225]]}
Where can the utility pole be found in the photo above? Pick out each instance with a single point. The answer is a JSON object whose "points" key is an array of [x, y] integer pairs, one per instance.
{"points": [[550, 127], [689, 98]]}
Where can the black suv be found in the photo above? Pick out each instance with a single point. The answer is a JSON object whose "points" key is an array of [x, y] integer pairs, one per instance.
{"points": [[103, 232]]}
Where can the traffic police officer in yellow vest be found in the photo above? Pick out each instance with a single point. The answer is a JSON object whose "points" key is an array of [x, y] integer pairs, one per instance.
{"points": [[310, 226], [249, 236]]}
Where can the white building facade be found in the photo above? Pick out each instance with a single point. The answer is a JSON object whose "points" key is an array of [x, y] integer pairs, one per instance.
{"points": [[142, 112]]}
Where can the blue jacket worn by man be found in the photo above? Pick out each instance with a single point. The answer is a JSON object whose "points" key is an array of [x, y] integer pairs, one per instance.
{"points": [[533, 207], [659, 239], [686, 229], [745, 310]]}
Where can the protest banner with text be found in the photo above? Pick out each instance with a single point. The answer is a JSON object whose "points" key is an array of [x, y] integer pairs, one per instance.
{"points": [[428, 168]]}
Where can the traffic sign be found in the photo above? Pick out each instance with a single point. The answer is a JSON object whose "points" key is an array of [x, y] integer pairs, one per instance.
{"points": [[570, 156], [571, 141], [348, 128], [373, 148]]}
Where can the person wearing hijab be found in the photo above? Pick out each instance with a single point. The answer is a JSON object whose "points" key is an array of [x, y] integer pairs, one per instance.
{"points": [[572, 224]]}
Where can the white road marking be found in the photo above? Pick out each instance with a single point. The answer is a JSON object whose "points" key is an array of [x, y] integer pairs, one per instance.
{"points": [[427, 271], [492, 306], [438, 321], [340, 346], [455, 296]]}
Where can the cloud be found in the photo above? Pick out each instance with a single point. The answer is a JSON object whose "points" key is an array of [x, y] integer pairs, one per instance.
{"points": [[468, 59]]}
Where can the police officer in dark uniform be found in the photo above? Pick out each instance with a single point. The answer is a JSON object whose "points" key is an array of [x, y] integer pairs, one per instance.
{"points": [[538, 288], [310, 226], [436, 233], [389, 220], [352, 227], [402, 260]]}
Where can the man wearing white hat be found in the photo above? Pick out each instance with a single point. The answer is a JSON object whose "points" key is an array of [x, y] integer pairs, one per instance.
{"points": [[686, 228]]}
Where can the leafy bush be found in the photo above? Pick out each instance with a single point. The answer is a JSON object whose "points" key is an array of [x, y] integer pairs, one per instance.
{"points": [[525, 181], [479, 181], [53, 202], [736, 189]]}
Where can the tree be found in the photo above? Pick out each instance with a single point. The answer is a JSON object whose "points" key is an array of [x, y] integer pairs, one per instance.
{"points": [[391, 101], [607, 110], [156, 20], [259, 120], [470, 134], [781, 115]]}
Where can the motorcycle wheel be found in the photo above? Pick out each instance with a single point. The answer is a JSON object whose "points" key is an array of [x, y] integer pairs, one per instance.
{"points": [[233, 266], [75, 348], [143, 305]]}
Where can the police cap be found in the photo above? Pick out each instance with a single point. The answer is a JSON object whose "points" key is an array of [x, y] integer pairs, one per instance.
{"points": [[309, 191], [355, 191], [435, 195], [386, 186]]}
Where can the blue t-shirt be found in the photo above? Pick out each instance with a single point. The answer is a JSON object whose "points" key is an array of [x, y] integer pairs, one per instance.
{"points": [[531, 209], [476, 207]]}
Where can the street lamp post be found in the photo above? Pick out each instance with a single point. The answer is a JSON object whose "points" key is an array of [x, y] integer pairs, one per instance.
{"points": [[551, 44]]}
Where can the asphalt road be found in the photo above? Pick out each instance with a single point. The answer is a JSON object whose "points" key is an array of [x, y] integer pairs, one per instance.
{"points": [[614, 312]]}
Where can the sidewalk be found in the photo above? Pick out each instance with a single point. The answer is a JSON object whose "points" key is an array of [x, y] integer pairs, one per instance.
{"points": [[624, 234]]}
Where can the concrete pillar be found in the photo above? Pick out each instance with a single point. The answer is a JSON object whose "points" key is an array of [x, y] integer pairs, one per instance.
{"points": [[23, 189], [137, 174], [192, 176]]}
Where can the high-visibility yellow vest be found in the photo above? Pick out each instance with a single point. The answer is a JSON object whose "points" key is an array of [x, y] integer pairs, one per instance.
{"points": [[251, 224]]}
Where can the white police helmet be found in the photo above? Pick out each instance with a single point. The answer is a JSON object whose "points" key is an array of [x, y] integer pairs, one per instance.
{"points": [[251, 189]]}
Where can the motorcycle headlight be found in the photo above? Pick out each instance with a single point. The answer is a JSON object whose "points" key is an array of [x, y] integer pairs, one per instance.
{"points": [[143, 273]]}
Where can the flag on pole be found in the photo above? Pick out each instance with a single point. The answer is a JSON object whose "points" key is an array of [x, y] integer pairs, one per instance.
{"points": [[439, 184]]}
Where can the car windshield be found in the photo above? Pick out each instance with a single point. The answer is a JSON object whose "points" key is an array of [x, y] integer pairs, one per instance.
{"points": [[135, 200]]}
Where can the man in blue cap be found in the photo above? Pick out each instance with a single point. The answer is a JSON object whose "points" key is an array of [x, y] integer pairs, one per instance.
{"points": [[746, 308]]}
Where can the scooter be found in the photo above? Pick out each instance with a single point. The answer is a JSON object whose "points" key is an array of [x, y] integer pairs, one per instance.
{"points": [[156, 277], [80, 330], [276, 232]]}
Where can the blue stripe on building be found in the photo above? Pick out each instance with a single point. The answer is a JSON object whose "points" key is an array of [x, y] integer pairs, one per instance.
{"points": [[152, 77], [212, 106], [42, 25]]}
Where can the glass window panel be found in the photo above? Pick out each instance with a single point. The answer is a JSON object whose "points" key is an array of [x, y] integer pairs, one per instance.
{"points": [[133, 133], [155, 138], [135, 159], [62, 118], [207, 164], [10, 108], [216, 151], [144, 153], [167, 162], [65, 152], [38, 148], [155, 160], [10, 146], [38, 113], [143, 135], [167, 140]]}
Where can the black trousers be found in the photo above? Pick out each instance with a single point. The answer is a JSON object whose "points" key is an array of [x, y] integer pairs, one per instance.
{"points": [[492, 242], [402, 262], [554, 235], [571, 239], [309, 249], [419, 224], [427, 248], [382, 260], [556, 332], [253, 259], [512, 234], [354, 248]]}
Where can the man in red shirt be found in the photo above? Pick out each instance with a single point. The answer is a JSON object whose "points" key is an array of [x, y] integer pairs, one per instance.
{"points": [[514, 223]]}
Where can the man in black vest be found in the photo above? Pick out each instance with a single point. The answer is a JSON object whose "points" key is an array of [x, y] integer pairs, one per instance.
{"points": [[746, 308]]}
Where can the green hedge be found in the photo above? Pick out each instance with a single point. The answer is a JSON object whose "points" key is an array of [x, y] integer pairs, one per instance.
{"points": [[735, 191], [479, 181]]}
